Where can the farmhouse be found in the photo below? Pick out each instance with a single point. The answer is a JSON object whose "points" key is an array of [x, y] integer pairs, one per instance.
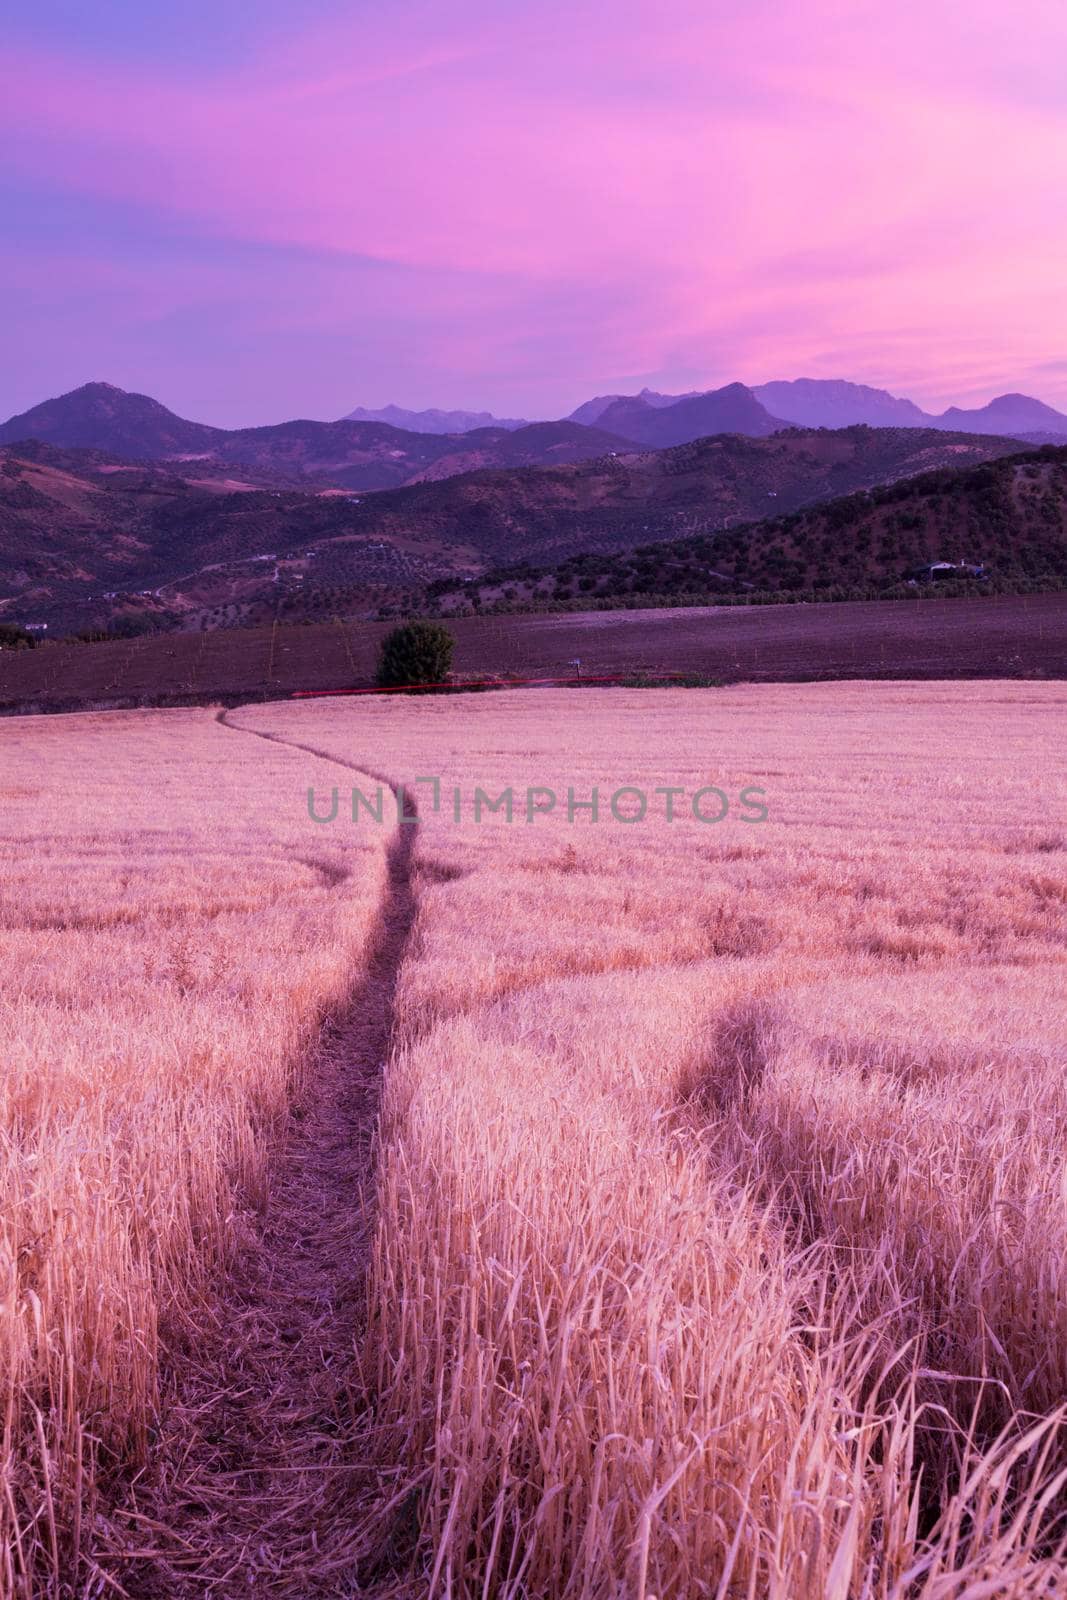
{"points": [[943, 571]]}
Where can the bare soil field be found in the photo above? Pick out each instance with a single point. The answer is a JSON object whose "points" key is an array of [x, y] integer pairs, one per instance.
{"points": [[1002, 636], [653, 1193]]}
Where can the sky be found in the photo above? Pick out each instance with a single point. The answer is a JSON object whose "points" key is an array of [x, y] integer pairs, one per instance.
{"points": [[262, 209]]}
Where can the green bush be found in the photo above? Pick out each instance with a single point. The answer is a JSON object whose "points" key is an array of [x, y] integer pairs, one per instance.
{"points": [[416, 653]]}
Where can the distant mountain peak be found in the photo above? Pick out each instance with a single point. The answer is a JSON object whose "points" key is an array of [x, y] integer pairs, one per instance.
{"points": [[731, 409], [1008, 413], [101, 416], [837, 403], [97, 388], [433, 420]]}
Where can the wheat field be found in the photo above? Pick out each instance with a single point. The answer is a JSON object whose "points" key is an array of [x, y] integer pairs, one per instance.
{"points": [[170, 943], [721, 1200], [720, 1209]]}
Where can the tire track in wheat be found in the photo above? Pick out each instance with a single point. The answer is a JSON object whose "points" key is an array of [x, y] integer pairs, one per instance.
{"points": [[263, 1465]]}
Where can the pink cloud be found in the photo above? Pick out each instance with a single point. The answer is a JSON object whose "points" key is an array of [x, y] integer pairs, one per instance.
{"points": [[763, 186]]}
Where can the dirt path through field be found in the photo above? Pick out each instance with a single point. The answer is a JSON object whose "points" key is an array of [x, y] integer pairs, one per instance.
{"points": [[262, 1466]]}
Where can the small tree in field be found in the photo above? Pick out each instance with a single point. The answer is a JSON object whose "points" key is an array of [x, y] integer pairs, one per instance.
{"points": [[417, 652]]}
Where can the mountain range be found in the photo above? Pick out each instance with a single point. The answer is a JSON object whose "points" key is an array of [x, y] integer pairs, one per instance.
{"points": [[826, 403], [820, 403], [368, 450], [110, 504], [344, 454]]}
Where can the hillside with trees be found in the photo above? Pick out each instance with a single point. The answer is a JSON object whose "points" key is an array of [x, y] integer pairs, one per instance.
{"points": [[1008, 517]]}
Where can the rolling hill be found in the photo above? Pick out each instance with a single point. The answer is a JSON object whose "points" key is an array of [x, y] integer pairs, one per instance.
{"points": [[372, 455], [628, 499], [85, 537], [1007, 515]]}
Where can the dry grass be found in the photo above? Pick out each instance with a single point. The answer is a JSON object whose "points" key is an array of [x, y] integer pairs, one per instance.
{"points": [[170, 942], [721, 1243]]}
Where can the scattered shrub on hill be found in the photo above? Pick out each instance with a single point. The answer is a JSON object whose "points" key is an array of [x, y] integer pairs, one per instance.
{"points": [[12, 637], [135, 624], [130, 625], [416, 653]]}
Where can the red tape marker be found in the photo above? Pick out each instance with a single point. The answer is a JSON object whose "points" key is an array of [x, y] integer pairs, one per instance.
{"points": [[475, 683]]}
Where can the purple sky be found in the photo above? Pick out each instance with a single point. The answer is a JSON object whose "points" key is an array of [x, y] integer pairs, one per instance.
{"points": [[277, 208]]}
